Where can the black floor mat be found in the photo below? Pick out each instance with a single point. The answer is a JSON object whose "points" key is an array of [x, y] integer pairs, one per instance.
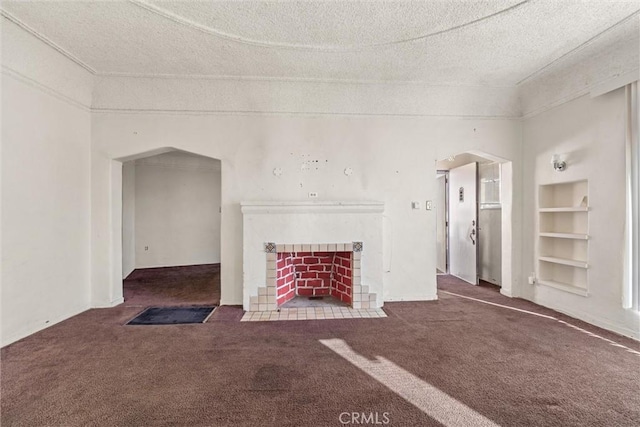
{"points": [[172, 315]]}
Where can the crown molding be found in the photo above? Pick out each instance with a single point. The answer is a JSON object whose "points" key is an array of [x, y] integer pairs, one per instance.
{"points": [[294, 80], [47, 41], [319, 48], [44, 88], [555, 104], [293, 113], [577, 49], [592, 91], [199, 112]]}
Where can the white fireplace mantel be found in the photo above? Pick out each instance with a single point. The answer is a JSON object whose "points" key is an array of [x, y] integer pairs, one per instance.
{"points": [[310, 222]]}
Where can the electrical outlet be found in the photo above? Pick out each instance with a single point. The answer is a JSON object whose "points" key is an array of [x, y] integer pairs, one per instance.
{"points": [[532, 279], [146, 248], [429, 205], [313, 195]]}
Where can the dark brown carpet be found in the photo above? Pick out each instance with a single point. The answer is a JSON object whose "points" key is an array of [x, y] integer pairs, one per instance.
{"points": [[514, 368], [169, 286]]}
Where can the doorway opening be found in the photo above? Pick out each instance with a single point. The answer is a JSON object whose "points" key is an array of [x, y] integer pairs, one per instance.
{"points": [[171, 223], [472, 226]]}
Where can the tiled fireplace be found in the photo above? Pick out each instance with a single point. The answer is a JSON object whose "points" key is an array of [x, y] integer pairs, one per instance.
{"points": [[330, 270], [339, 271]]}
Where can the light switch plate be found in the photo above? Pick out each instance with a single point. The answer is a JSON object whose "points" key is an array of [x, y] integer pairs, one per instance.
{"points": [[415, 205], [429, 205]]}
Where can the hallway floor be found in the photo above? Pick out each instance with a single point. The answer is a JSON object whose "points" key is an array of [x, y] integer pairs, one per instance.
{"points": [[173, 286]]}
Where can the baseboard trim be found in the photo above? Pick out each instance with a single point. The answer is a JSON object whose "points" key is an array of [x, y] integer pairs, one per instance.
{"points": [[107, 305], [432, 297], [506, 293], [593, 320], [17, 336], [213, 264]]}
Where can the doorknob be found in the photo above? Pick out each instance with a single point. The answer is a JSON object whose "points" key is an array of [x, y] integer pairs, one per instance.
{"points": [[472, 234]]}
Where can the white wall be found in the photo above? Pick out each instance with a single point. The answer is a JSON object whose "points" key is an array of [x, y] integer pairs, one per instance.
{"points": [[128, 218], [592, 133], [393, 159], [46, 215], [177, 211]]}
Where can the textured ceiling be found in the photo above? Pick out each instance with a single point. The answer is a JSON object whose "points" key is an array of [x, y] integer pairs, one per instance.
{"points": [[494, 43]]}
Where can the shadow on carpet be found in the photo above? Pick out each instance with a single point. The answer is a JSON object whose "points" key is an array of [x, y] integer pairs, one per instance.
{"points": [[172, 315]]}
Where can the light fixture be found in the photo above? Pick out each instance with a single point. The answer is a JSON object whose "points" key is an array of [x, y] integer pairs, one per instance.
{"points": [[559, 162]]}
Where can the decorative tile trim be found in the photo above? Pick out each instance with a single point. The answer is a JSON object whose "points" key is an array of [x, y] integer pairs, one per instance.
{"points": [[313, 313], [272, 247]]}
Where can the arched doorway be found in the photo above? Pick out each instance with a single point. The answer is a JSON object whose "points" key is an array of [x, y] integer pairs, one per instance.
{"points": [[171, 229]]}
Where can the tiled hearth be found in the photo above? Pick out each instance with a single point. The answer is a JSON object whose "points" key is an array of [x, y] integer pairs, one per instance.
{"points": [[313, 313]]}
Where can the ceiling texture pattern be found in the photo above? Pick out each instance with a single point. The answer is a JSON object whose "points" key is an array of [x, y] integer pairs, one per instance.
{"points": [[473, 43]]}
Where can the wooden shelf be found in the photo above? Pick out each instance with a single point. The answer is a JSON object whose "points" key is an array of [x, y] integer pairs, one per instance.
{"points": [[567, 209], [566, 235], [564, 261], [564, 287]]}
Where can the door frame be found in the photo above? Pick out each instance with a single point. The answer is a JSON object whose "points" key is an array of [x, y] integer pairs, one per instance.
{"points": [[445, 173], [511, 259]]}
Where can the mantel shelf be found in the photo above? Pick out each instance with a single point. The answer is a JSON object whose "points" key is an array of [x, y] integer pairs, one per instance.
{"points": [[566, 209], [564, 261], [565, 235]]}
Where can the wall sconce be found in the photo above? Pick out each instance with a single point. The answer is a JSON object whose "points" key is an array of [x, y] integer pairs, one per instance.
{"points": [[559, 162]]}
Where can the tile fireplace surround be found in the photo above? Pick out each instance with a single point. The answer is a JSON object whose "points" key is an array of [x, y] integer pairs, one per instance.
{"points": [[305, 270], [335, 250]]}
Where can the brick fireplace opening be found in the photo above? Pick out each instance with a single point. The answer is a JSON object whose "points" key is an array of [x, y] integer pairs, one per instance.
{"points": [[297, 274], [314, 274]]}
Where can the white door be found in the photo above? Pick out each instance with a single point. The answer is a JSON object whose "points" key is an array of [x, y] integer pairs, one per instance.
{"points": [[441, 224], [462, 223]]}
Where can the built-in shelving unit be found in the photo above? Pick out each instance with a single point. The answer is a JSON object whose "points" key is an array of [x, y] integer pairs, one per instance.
{"points": [[563, 236], [570, 209], [576, 236]]}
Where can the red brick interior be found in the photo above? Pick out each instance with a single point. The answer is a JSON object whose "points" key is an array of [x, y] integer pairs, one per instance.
{"points": [[314, 274], [342, 276], [285, 278]]}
